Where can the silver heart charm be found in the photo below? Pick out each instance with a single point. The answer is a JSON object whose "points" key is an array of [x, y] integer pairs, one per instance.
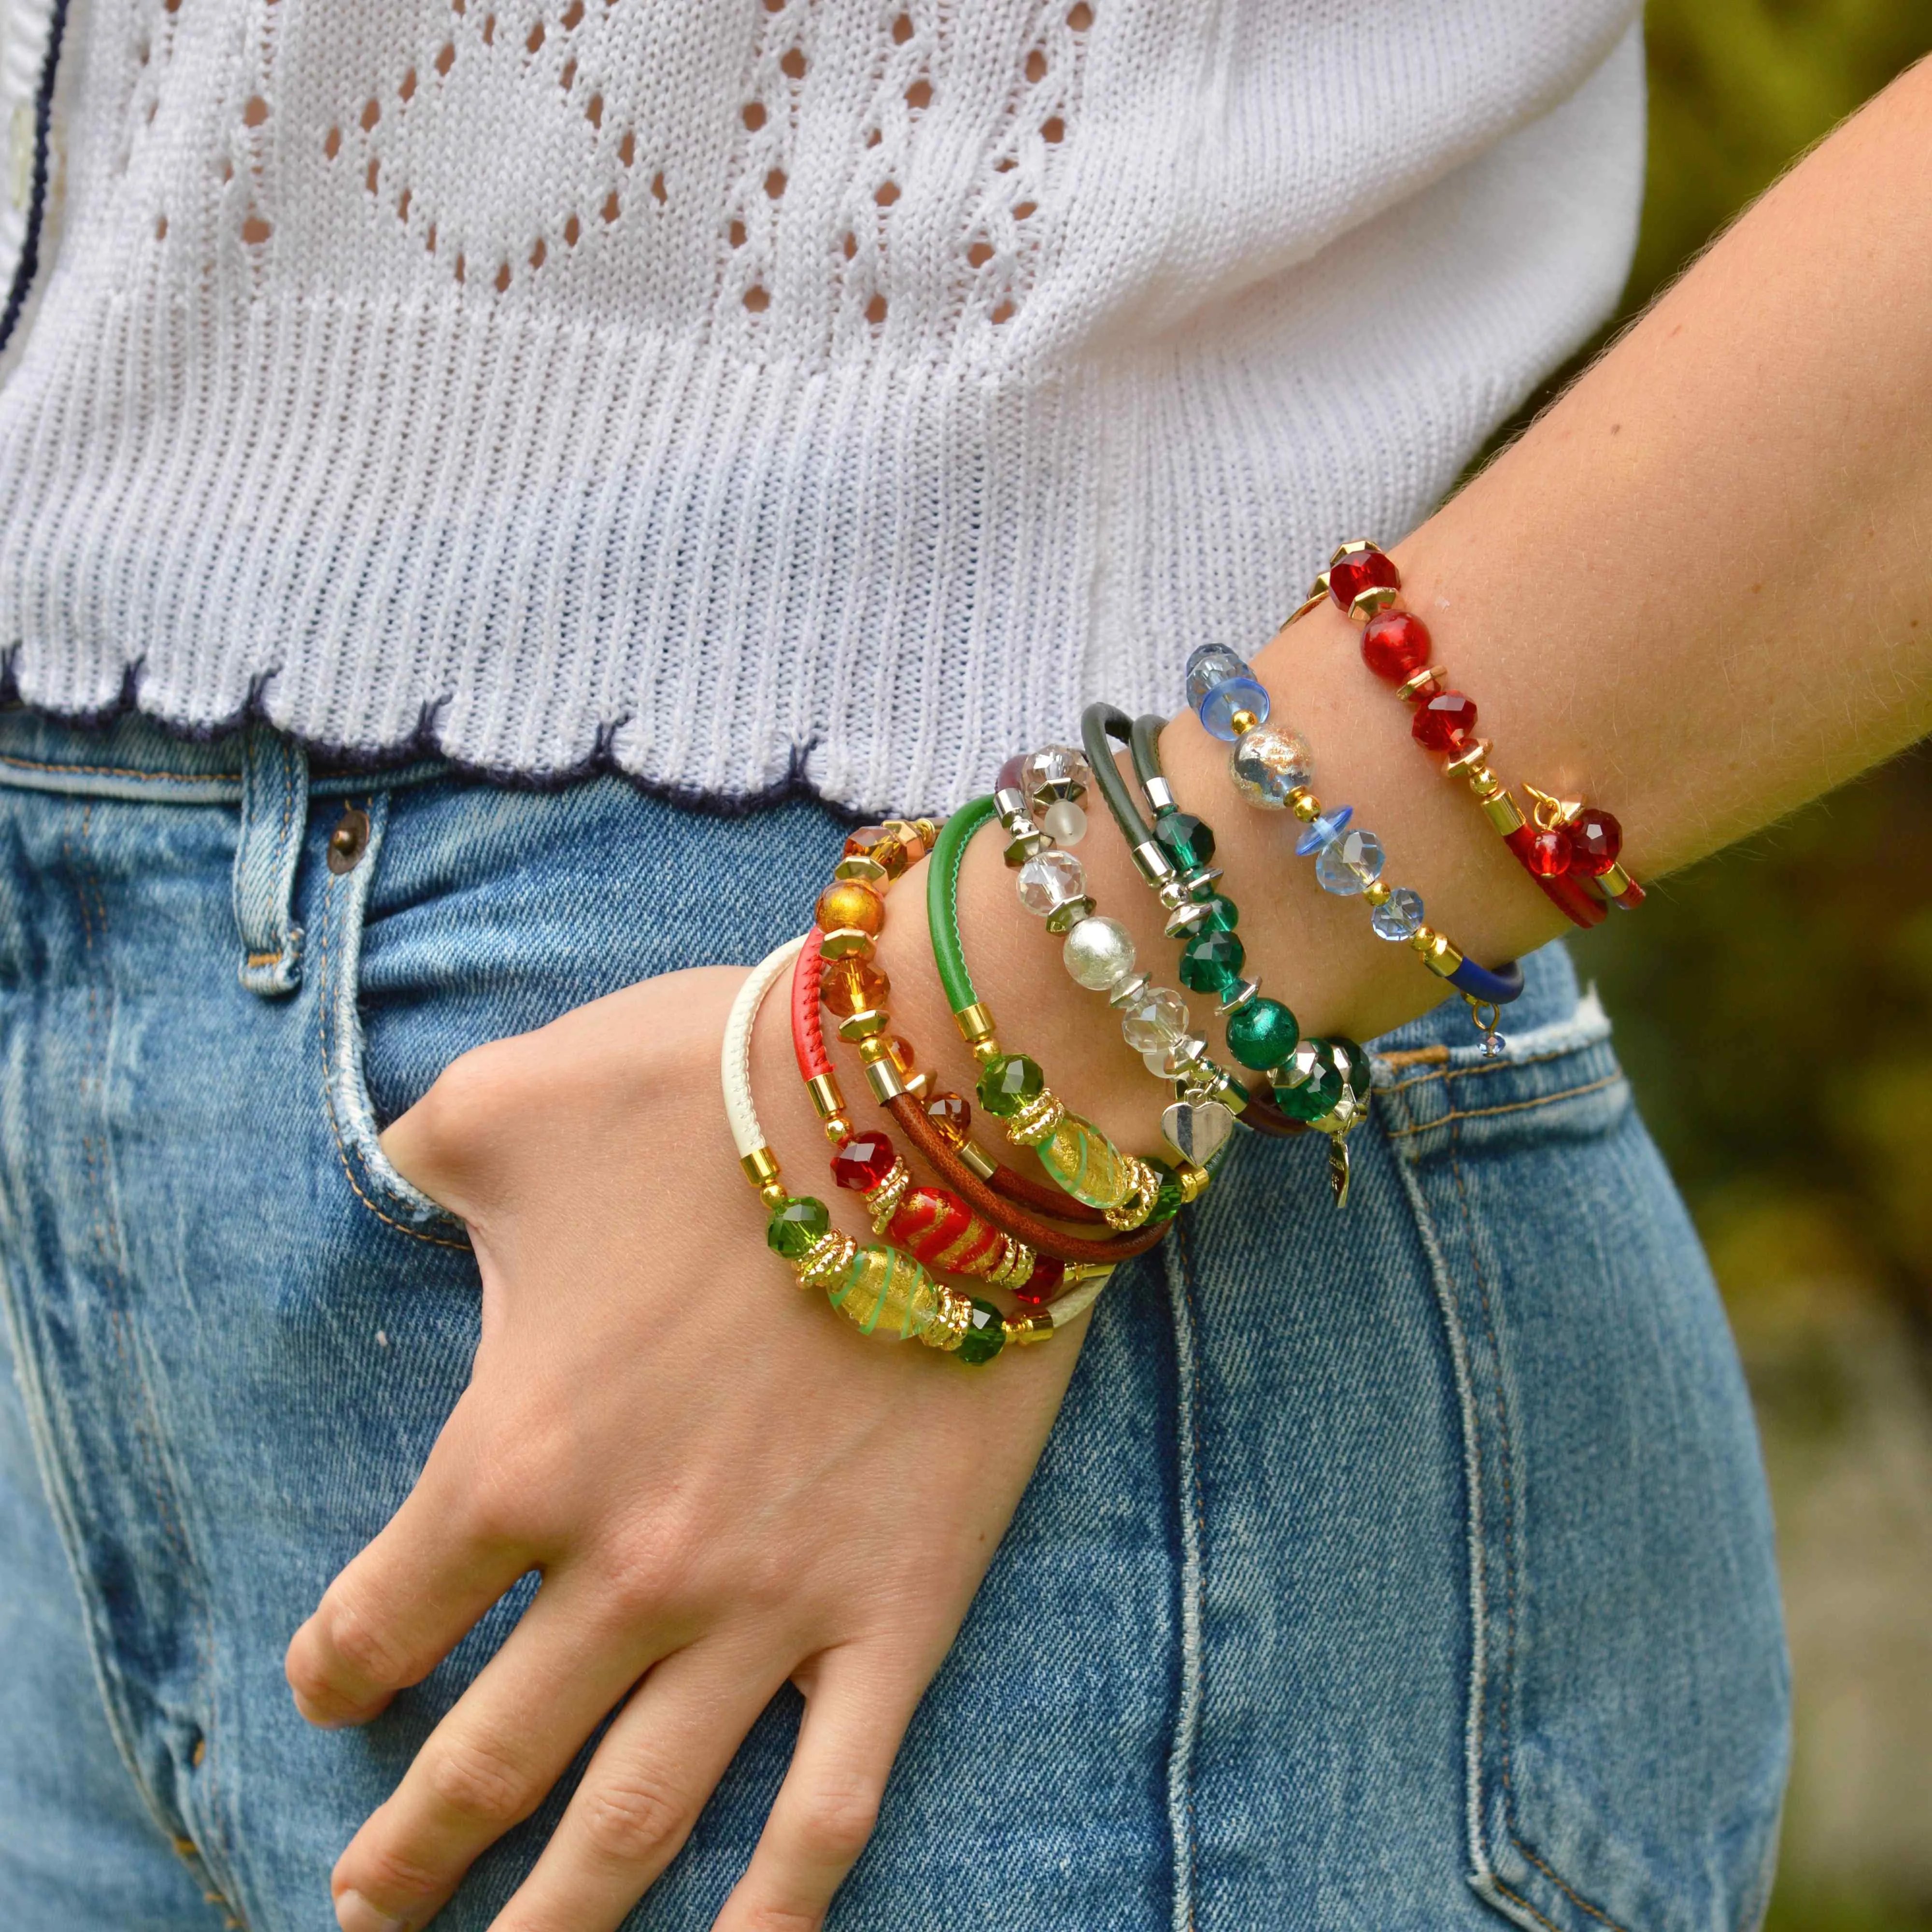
{"points": [[1197, 1130]]}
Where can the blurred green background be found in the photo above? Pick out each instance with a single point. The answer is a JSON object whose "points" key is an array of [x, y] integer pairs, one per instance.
{"points": [[1774, 1007]]}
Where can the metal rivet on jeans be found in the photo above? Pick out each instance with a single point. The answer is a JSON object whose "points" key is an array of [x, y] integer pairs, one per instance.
{"points": [[348, 841]]}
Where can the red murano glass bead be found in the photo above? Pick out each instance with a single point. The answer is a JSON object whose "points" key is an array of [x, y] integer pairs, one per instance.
{"points": [[1549, 854], [936, 1227], [1362, 570], [1595, 840], [1043, 1284], [952, 1117], [1445, 722], [863, 1161], [1395, 645]]}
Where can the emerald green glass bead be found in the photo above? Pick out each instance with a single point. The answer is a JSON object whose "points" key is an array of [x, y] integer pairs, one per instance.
{"points": [[1186, 840], [795, 1225], [1313, 1084], [1008, 1083], [1357, 1068], [1262, 1033], [1167, 1202], [986, 1334], [1210, 962], [1222, 914]]}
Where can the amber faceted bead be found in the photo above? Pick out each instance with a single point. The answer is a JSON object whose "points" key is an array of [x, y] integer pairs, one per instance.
{"points": [[884, 848], [849, 986], [952, 1117], [899, 1052], [850, 905]]}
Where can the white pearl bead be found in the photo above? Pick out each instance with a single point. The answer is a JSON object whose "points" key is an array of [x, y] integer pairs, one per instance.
{"points": [[1099, 953], [1064, 822]]}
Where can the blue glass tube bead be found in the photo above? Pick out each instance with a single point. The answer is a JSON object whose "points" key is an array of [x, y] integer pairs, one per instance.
{"points": [[1399, 915], [1348, 863], [1321, 831], [1209, 665], [1233, 695]]}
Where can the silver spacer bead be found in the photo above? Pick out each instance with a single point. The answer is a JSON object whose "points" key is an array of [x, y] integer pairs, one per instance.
{"points": [[1159, 794], [1238, 998], [1063, 918], [1129, 989], [1154, 865]]}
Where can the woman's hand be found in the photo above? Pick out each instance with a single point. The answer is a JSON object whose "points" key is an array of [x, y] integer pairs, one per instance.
{"points": [[723, 1485]]}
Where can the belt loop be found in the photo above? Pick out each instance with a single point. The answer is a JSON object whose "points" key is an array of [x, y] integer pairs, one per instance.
{"points": [[274, 814]]}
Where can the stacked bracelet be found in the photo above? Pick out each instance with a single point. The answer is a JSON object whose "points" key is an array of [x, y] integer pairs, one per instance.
{"points": [[1272, 769], [880, 1290], [1562, 844]]}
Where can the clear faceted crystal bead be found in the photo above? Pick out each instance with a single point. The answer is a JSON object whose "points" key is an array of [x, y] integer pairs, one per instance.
{"points": [[1063, 822], [1048, 882], [1154, 1021], [1270, 762], [1099, 953], [1399, 915], [1348, 863], [1057, 772], [1166, 1063]]}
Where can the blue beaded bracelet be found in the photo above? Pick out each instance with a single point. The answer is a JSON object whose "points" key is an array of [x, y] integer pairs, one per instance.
{"points": [[1272, 769]]}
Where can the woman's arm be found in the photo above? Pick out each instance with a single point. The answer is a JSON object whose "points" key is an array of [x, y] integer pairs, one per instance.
{"points": [[1695, 592]]}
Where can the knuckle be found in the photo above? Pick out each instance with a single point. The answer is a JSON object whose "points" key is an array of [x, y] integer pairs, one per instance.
{"points": [[836, 1819], [480, 1781], [387, 1875], [357, 1649], [460, 1115], [636, 1820]]}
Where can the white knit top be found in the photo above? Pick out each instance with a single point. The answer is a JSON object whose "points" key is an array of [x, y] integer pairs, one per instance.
{"points": [[745, 392]]}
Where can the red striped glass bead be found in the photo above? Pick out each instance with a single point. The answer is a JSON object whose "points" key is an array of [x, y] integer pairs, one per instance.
{"points": [[938, 1229], [1395, 645], [1445, 722], [1362, 570], [1595, 840]]}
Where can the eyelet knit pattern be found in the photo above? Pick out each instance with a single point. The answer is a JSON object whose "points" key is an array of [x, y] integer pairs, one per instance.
{"points": [[762, 391]]}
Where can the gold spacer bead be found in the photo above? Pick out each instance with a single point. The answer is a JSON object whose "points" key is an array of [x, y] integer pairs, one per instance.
{"points": [[826, 1097], [1242, 722], [1423, 938], [1025, 1329], [857, 866], [773, 1194], [1377, 597], [975, 1022], [761, 1168], [1376, 893], [1033, 1122], [863, 1026], [838, 1130], [1304, 804], [1193, 1180], [1409, 687], [847, 942], [986, 1051]]}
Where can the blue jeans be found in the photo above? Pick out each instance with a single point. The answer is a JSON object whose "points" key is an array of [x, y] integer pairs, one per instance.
{"points": [[1403, 1568]]}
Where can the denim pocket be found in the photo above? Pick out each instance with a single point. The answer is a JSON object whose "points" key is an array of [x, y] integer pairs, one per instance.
{"points": [[1627, 1721], [336, 939]]}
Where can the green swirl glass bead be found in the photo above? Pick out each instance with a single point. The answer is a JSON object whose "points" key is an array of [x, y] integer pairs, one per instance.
{"points": [[885, 1291], [795, 1225], [1085, 1163], [986, 1334], [1263, 1034], [1210, 962], [1008, 1083]]}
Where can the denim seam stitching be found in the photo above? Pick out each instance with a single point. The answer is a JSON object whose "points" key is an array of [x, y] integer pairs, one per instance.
{"points": [[1504, 1065], [1510, 1557], [160, 1491], [1193, 1533], [119, 772], [1507, 1107], [327, 988]]}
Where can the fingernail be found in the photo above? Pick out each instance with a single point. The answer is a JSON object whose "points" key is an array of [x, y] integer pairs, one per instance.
{"points": [[354, 1913]]}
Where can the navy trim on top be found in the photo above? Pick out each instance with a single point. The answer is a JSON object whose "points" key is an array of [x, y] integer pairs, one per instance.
{"points": [[29, 265]]}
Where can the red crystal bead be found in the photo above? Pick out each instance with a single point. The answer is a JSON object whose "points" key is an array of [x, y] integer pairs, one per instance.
{"points": [[1009, 778], [1395, 645], [1043, 1284], [1445, 722], [1549, 854], [1595, 840], [863, 1161], [1362, 570], [952, 1117]]}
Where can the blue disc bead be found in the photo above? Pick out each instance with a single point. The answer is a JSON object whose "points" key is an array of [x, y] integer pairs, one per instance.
{"points": [[1330, 825], [1232, 695]]}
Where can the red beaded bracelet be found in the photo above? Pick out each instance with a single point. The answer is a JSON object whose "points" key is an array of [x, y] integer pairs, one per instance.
{"points": [[1560, 843]]}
